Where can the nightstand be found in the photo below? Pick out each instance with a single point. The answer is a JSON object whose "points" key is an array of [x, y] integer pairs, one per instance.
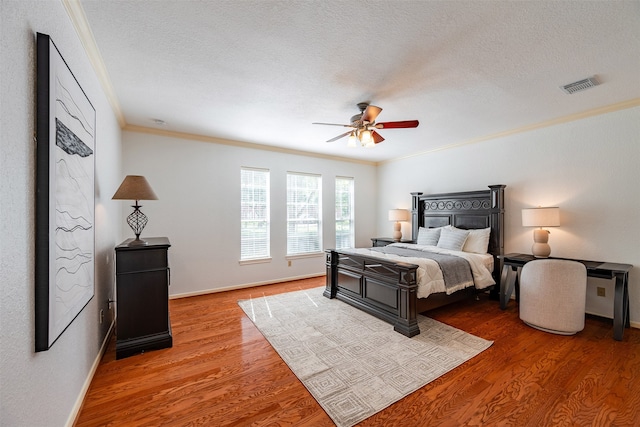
{"points": [[384, 241], [142, 303]]}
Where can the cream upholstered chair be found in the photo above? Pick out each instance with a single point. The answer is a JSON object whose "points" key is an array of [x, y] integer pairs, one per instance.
{"points": [[553, 295]]}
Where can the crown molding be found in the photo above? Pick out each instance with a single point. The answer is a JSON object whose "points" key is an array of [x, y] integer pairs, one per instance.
{"points": [[203, 138], [79, 19], [635, 102]]}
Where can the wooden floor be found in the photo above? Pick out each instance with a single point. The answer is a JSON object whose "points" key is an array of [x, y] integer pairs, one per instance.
{"points": [[222, 372]]}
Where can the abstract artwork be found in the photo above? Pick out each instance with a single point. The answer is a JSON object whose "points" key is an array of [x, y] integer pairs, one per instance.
{"points": [[64, 196]]}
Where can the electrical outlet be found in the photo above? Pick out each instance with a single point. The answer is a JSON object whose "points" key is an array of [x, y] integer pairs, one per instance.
{"points": [[289, 263], [601, 291], [101, 316]]}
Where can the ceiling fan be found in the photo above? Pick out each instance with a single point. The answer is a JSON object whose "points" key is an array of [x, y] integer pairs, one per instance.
{"points": [[363, 126]]}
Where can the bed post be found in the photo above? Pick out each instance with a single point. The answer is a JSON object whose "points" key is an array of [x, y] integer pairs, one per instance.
{"points": [[415, 207], [407, 321], [331, 264], [497, 226]]}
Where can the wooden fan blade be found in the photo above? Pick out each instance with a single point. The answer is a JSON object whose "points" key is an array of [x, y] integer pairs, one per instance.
{"points": [[398, 125], [377, 138], [371, 113], [331, 124], [339, 136]]}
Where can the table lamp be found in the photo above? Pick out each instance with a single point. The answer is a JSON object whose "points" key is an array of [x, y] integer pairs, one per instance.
{"points": [[135, 187], [541, 217], [398, 215]]}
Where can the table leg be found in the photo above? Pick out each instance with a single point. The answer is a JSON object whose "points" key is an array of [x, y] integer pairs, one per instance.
{"points": [[507, 284], [621, 306]]}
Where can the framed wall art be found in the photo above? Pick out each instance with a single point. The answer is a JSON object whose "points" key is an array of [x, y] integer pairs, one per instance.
{"points": [[65, 167]]}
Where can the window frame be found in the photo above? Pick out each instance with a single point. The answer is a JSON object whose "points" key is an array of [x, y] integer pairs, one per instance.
{"points": [[309, 208], [265, 256], [351, 207]]}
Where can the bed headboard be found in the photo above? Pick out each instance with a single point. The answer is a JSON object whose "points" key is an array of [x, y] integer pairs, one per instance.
{"points": [[468, 210]]}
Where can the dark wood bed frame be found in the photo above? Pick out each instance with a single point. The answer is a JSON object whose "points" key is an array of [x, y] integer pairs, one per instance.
{"points": [[388, 289]]}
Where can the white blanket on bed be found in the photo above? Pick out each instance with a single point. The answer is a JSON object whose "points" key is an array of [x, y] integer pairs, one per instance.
{"points": [[430, 279]]}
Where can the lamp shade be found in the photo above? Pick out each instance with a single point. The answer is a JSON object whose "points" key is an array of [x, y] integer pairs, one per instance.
{"points": [[135, 187], [541, 217], [398, 215]]}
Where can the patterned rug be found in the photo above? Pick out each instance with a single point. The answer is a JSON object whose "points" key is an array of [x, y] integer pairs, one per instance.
{"points": [[353, 364]]}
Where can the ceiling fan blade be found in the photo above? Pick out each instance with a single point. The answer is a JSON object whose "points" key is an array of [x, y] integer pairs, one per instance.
{"points": [[332, 124], [398, 125], [371, 113], [377, 138], [339, 136]]}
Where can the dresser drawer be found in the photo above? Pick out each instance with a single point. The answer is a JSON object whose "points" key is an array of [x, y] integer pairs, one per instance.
{"points": [[142, 260]]}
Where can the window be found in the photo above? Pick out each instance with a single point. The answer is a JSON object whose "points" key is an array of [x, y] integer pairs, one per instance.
{"points": [[304, 213], [254, 221], [345, 232]]}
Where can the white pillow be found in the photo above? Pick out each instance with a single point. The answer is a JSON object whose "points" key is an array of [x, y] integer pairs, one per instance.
{"points": [[428, 236], [452, 238], [478, 241]]}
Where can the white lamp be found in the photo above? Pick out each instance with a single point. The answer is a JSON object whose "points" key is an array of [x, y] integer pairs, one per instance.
{"points": [[398, 215], [541, 217]]}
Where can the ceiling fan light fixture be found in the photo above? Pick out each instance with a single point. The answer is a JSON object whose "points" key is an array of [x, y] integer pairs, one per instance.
{"points": [[365, 138], [352, 140], [364, 127]]}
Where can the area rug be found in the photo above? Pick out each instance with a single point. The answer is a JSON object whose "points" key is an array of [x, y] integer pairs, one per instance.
{"points": [[352, 363]]}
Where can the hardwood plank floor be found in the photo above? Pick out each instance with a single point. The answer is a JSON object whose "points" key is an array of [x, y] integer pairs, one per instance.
{"points": [[222, 372]]}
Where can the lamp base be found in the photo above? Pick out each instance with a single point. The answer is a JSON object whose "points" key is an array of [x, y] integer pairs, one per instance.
{"points": [[541, 248], [137, 220], [138, 242], [397, 234]]}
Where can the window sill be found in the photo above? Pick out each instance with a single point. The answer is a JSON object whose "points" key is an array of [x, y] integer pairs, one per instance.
{"points": [[307, 255], [254, 261]]}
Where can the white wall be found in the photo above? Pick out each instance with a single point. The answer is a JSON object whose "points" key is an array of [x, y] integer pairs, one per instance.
{"points": [[42, 389], [198, 186], [589, 168]]}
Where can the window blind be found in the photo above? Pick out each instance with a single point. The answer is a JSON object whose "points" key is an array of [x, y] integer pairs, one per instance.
{"points": [[304, 213], [345, 230], [254, 221]]}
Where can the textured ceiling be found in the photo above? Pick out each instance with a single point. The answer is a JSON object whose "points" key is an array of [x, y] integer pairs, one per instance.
{"points": [[262, 71]]}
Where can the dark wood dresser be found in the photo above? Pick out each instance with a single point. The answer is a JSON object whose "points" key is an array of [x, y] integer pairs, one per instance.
{"points": [[142, 288]]}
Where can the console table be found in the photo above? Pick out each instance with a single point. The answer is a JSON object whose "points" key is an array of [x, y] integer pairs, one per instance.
{"points": [[605, 270]]}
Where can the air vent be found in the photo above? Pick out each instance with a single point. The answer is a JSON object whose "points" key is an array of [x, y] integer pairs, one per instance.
{"points": [[580, 85]]}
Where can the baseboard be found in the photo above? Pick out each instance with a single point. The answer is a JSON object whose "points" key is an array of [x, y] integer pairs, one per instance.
{"points": [[633, 324], [603, 316], [244, 285], [87, 383], [290, 279]]}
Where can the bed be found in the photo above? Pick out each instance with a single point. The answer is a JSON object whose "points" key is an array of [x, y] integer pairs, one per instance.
{"points": [[386, 283]]}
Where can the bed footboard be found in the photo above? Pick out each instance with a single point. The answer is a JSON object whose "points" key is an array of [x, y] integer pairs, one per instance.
{"points": [[382, 288]]}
